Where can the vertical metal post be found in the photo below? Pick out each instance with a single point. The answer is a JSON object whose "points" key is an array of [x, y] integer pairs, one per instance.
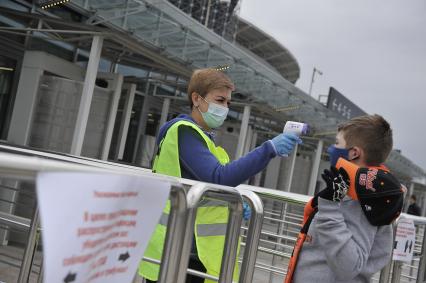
{"points": [[185, 46], [86, 96], [41, 273], [231, 241], [254, 139], [386, 271], [174, 235], [396, 272], [141, 128], [315, 168], [111, 118], [291, 170], [142, 119], [421, 274], [280, 231], [164, 111], [248, 142], [207, 64], [125, 120], [194, 196], [24, 272], [243, 131], [253, 235], [313, 78], [206, 22]]}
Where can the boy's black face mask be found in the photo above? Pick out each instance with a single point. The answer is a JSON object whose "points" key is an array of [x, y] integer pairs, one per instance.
{"points": [[379, 193]]}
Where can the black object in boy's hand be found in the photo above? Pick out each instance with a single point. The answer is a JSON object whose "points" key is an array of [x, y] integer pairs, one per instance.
{"points": [[337, 181]]}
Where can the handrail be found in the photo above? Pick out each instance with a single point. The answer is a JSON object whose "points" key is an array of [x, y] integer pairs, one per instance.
{"points": [[279, 195], [15, 221], [27, 167], [67, 157], [418, 220]]}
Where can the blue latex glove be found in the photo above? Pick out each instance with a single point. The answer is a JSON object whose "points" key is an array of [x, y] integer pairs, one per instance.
{"points": [[285, 143], [246, 211]]}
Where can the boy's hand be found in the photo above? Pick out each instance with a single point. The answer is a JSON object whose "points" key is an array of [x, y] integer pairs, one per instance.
{"points": [[337, 184]]}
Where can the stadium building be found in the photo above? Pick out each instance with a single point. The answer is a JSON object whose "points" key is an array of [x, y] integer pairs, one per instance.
{"points": [[97, 78]]}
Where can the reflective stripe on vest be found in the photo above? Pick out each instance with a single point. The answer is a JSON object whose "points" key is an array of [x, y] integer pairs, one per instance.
{"points": [[164, 219], [212, 203], [206, 230]]}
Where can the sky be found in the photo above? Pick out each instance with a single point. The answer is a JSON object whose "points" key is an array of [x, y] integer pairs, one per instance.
{"points": [[372, 51]]}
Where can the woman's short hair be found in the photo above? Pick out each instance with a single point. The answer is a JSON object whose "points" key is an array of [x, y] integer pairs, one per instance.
{"points": [[205, 80]]}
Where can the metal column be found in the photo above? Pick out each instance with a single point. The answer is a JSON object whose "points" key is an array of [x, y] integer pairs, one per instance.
{"points": [[26, 97], [243, 132], [315, 168], [283, 214], [421, 274], [164, 111], [86, 96], [248, 143], [291, 170], [141, 130], [125, 121], [111, 118]]}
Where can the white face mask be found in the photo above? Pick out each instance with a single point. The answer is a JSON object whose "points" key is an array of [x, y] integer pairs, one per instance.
{"points": [[215, 115]]}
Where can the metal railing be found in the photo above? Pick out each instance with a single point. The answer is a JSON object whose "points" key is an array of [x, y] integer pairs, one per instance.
{"points": [[181, 218], [267, 239]]}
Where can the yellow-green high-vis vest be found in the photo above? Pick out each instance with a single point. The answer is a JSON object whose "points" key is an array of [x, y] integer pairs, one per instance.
{"points": [[211, 218]]}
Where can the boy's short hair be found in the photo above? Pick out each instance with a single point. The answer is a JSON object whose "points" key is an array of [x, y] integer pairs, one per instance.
{"points": [[413, 197], [205, 80], [372, 133]]}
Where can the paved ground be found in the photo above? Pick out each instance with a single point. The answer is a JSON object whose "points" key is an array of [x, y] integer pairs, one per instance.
{"points": [[10, 262]]}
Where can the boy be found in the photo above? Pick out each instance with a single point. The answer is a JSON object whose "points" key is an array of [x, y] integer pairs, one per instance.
{"points": [[349, 240]]}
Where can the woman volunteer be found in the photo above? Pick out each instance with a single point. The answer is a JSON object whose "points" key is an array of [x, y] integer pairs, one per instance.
{"points": [[186, 149]]}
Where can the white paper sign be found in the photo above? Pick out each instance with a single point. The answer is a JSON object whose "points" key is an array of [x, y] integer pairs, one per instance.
{"points": [[96, 227], [405, 239]]}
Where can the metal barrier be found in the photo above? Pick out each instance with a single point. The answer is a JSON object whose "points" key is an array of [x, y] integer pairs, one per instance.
{"points": [[268, 238], [180, 219]]}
